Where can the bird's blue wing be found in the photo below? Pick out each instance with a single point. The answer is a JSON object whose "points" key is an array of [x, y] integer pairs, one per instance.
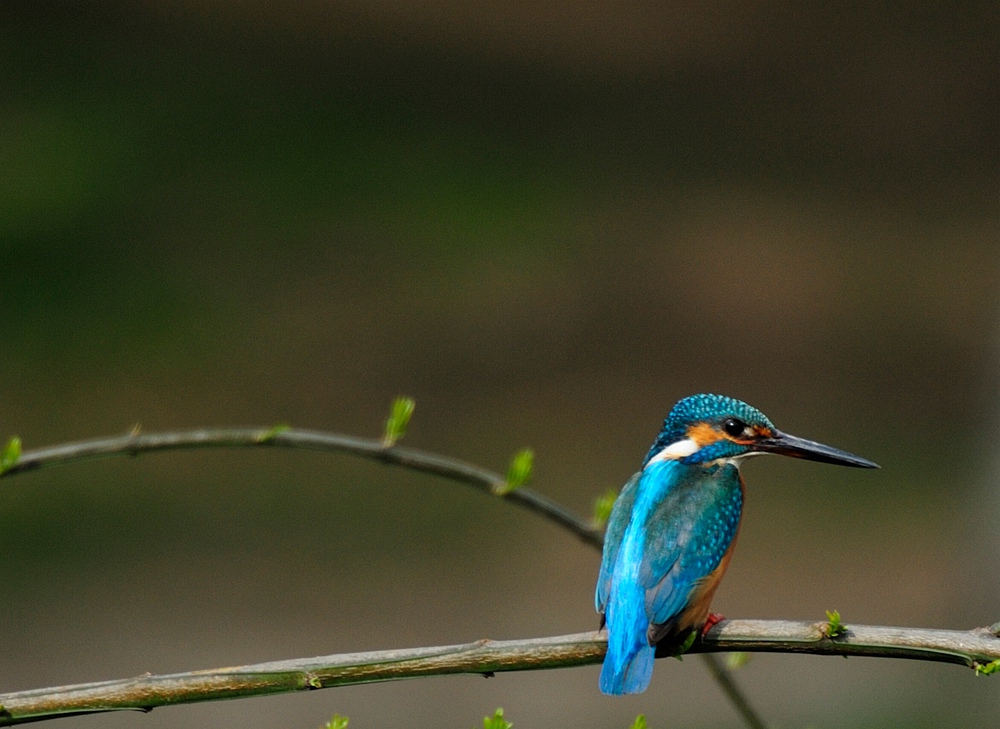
{"points": [[687, 535], [621, 512]]}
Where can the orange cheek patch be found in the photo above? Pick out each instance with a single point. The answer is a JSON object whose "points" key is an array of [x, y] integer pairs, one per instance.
{"points": [[703, 434]]}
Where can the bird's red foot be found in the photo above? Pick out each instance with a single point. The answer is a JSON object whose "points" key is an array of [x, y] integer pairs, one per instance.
{"points": [[710, 622]]}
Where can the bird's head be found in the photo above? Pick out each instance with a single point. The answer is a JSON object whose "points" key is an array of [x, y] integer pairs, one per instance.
{"points": [[706, 428]]}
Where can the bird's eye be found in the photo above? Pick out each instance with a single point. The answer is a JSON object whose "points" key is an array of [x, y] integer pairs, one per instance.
{"points": [[734, 427]]}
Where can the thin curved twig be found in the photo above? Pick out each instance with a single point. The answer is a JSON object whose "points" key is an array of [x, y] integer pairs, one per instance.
{"points": [[376, 450], [970, 648]]}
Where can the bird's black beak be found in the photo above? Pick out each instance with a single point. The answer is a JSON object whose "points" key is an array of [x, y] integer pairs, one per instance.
{"points": [[788, 445]]}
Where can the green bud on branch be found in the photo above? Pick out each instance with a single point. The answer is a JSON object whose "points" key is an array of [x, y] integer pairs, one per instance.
{"points": [[10, 454], [602, 508], [266, 436], [518, 472], [496, 721], [399, 418], [337, 722], [834, 627]]}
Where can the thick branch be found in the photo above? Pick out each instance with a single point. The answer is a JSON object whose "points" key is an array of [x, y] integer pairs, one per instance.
{"points": [[969, 648]]}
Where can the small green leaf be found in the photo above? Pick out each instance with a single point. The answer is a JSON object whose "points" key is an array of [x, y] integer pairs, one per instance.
{"points": [[399, 418], [10, 454], [987, 669], [737, 660], [683, 647], [834, 628], [602, 508], [640, 722], [518, 472], [496, 721], [273, 432], [337, 722]]}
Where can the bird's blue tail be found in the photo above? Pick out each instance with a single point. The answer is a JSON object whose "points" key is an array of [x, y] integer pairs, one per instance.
{"points": [[628, 664], [629, 672]]}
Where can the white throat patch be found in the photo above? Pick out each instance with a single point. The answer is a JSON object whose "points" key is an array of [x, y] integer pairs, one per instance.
{"points": [[688, 447], [676, 451]]}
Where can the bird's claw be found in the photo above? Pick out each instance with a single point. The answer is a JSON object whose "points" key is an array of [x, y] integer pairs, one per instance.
{"points": [[710, 622]]}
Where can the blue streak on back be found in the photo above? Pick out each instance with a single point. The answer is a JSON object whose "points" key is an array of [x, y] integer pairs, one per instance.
{"points": [[628, 665]]}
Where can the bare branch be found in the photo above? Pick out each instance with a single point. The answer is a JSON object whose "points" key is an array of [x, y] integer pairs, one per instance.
{"points": [[376, 450], [485, 657]]}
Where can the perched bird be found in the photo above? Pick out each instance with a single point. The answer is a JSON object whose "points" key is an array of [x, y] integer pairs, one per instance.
{"points": [[673, 527]]}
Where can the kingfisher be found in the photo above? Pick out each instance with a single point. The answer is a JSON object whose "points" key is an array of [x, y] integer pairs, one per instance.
{"points": [[673, 528]]}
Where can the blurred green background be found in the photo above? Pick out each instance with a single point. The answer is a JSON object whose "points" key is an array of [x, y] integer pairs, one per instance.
{"points": [[545, 221]]}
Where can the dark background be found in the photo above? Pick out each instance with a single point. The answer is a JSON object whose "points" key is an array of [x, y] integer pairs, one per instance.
{"points": [[545, 221]]}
